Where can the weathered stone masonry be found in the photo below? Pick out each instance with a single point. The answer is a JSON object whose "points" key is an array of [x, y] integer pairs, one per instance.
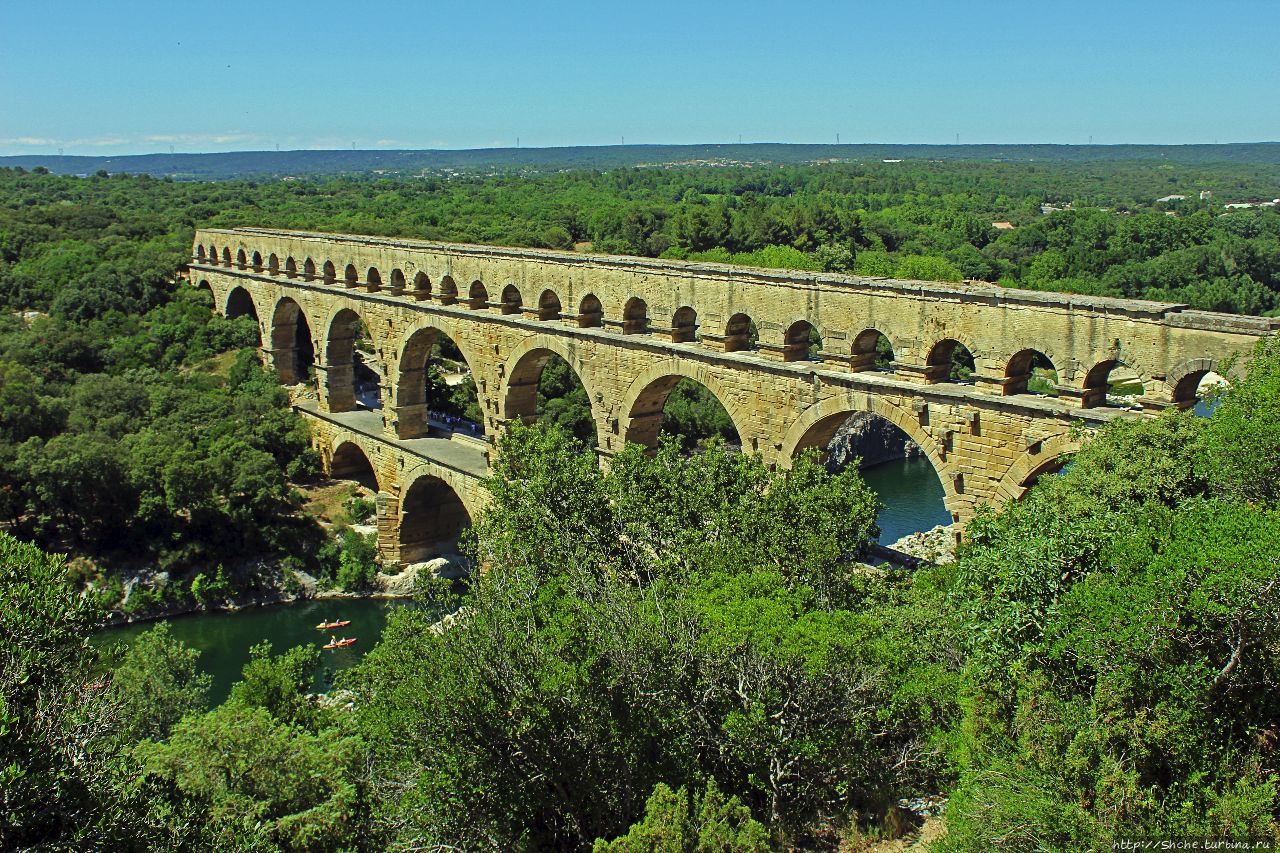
{"points": [[632, 327]]}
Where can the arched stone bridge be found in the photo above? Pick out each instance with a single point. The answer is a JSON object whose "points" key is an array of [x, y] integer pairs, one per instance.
{"points": [[633, 327]]}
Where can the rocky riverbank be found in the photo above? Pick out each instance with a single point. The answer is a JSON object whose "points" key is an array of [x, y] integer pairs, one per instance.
{"points": [[870, 438], [936, 546]]}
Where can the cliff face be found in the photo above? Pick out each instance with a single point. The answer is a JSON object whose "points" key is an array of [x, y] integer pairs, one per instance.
{"points": [[871, 437]]}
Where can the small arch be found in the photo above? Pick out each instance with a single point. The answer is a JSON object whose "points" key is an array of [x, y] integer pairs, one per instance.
{"points": [[350, 276], [635, 317], [330, 273], [213, 254], [448, 291], [397, 280], [802, 342], [548, 306], [256, 261], [872, 350], [949, 361], [1030, 372], [511, 300], [241, 261], [290, 267], [432, 519], [1188, 381], [373, 279], [421, 287], [226, 256], [477, 296], [741, 334], [350, 462], [1112, 383], [200, 252], [273, 264], [590, 312], [684, 325], [309, 269]]}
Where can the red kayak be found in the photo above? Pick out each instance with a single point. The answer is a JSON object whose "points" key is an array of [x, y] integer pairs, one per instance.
{"points": [[340, 644], [329, 626]]}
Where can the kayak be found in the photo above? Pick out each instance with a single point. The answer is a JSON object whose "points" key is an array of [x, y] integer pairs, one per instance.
{"points": [[340, 644], [328, 626]]}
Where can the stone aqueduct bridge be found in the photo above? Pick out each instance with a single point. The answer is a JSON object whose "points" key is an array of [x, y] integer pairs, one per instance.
{"points": [[631, 328]]}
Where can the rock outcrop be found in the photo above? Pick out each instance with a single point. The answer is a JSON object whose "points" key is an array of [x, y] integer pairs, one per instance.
{"points": [[870, 437], [448, 567]]}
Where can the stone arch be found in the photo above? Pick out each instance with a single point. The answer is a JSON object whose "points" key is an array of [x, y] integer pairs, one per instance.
{"points": [[240, 304], [817, 424], [590, 312], [256, 261], [292, 347], [410, 389], [433, 515], [226, 256], [1097, 382], [548, 306], [512, 301], [308, 269], [350, 276], [740, 334], [1183, 381], [868, 353], [448, 291], [200, 252], [350, 461], [241, 261], [645, 397], [1042, 457], [525, 363], [204, 285], [330, 272], [801, 342], [338, 390], [684, 325], [635, 317], [373, 279], [944, 356], [1018, 372], [290, 267], [213, 254], [477, 295], [273, 264], [397, 280], [421, 287]]}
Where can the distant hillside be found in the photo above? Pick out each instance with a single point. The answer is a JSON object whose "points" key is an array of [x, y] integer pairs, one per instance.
{"points": [[279, 164]]}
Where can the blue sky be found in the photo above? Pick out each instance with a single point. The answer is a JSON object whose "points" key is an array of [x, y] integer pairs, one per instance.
{"points": [[136, 76]]}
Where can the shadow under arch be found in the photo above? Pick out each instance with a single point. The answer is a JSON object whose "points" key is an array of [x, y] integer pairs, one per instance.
{"points": [[350, 461], [433, 516], [410, 395], [647, 395], [526, 363], [816, 426], [292, 347]]}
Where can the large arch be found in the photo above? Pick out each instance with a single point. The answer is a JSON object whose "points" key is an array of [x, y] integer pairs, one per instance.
{"points": [[1042, 457], [647, 394], [346, 379], [292, 346], [526, 363], [350, 461], [240, 304], [817, 424], [433, 516], [410, 404]]}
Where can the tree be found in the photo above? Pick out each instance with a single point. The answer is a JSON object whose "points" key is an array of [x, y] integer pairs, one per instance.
{"points": [[157, 683], [682, 822]]}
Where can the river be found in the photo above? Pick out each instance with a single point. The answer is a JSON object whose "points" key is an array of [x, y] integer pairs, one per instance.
{"points": [[224, 639], [909, 488]]}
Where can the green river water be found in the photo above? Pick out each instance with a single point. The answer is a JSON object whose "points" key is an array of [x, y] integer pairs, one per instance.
{"points": [[909, 488]]}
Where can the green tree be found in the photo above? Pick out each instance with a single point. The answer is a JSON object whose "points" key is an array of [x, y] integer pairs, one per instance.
{"points": [[157, 683]]}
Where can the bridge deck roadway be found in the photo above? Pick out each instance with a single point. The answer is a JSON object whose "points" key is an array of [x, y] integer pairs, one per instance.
{"points": [[463, 455]]}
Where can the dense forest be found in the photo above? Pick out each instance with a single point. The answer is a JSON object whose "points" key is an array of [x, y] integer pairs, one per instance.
{"points": [[688, 651]]}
